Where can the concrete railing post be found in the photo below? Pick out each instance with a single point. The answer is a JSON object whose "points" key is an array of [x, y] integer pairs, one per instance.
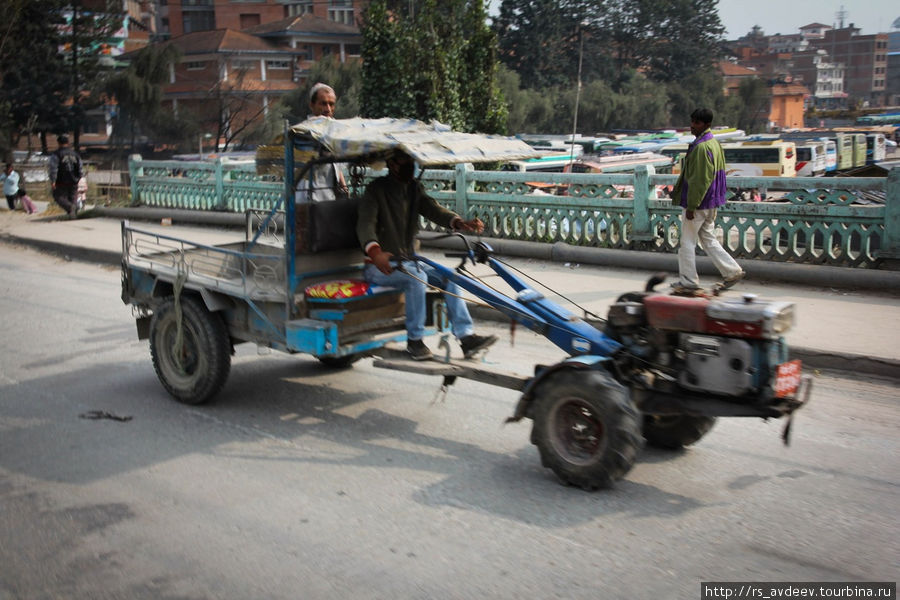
{"points": [[135, 170], [463, 187], [890, 245], [220, 185], [643, 192]]}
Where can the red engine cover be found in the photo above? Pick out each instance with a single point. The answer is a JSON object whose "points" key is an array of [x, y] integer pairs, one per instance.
{"points": [[680, 313], [676, 313]]}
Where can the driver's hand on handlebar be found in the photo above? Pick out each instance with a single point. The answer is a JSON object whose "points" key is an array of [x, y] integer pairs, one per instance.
{"points": [[471, 225], [382, 261]]}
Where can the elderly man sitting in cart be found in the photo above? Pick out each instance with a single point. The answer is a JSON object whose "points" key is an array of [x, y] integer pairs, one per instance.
{"points": [[387, 227]]}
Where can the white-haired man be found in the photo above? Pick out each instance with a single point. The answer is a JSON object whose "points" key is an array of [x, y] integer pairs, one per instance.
{"points": [[323, 182]]}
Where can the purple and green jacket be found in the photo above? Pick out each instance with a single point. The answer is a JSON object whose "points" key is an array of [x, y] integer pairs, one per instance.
{"points": [[701, 183]]}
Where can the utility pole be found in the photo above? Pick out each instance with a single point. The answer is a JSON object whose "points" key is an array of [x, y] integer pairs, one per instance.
{"points": [[577, 91], [75, 127]]}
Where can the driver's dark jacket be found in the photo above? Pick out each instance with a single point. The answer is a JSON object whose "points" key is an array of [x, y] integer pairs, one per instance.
{"points": [[388, 215]]}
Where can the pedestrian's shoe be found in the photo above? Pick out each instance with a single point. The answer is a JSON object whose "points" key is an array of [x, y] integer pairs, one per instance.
{"points": [[472, 344], [418, 350], [727, 283]]}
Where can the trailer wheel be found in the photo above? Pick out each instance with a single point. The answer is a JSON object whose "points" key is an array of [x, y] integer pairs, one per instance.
{"points": [[201, 368], [586, 428], [674, 432], [340, 362]]}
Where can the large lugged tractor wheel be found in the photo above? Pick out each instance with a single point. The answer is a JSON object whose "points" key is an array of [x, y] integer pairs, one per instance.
{"points": [[195, 371], [674, 432], [586, 428]]}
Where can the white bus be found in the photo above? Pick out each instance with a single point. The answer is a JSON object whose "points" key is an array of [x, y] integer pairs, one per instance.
{"points": [[770, 158], [810, 159]]}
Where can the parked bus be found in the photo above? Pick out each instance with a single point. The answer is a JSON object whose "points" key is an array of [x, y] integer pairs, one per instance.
{"points": [[892, 118], [810, 158], [875, 148], [555, 163], [830, 154], [859, 149], [844, 146], [770, 158], [620, 164], [675, 152]]}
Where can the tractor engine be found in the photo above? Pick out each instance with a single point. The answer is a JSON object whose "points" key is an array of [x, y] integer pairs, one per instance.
{"points": [[728, 347]]}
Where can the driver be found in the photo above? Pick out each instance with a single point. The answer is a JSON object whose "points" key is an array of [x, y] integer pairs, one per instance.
{"points": [[387, 226]]}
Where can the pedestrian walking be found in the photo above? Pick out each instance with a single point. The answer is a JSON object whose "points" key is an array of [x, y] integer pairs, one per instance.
{"points": [[65, 172], [700, 190]]}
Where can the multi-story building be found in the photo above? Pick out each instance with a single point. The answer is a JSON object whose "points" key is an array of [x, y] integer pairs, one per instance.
{"points": [[794, 42], [892, 89], [226, 79], [824, 78], [814, 31], [865, 61], [314, 38], [187, 16]]}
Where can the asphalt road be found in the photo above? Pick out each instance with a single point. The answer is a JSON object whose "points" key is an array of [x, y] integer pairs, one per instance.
{"points": [[302, 482]]}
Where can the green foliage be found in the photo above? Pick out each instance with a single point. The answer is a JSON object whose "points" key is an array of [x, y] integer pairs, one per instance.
{"points": [[44, 90], [434, 60], [138, 93], [753, 114]]}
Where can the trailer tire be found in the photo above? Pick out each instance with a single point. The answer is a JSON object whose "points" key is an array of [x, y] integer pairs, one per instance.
{"points": [[206, 354], [674, 432], [586, 428], [340, 362]]}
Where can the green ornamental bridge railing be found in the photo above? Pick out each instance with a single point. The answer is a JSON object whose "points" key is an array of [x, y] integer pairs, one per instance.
{"points": [[853, 221]]}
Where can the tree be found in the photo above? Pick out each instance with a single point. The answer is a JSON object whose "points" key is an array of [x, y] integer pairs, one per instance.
{"points": [[431, 60], [539, 38], [138, 91], [45, 89], [87, 32], [35, 84], [753, 115]]}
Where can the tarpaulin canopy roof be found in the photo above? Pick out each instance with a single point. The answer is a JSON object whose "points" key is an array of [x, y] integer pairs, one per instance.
{"points": [[429, 144]]}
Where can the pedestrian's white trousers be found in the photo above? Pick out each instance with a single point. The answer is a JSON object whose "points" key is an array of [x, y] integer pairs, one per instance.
{"points": [[702, 228]]}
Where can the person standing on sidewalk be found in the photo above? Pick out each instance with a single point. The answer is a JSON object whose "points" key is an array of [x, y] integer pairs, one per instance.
{"points": [[65, 172], [387, 225], [700, 190]]}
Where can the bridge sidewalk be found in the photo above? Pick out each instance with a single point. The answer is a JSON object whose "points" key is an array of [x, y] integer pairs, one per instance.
{"points": [[838, 324]]}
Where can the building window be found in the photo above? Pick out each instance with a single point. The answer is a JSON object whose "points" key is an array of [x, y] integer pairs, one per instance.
{"points": [[196, 65], [298, 8], [278, 64], [341, 11], [243, 65], [199, 21], [353, 49], [306, 52], [250, 20]]}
